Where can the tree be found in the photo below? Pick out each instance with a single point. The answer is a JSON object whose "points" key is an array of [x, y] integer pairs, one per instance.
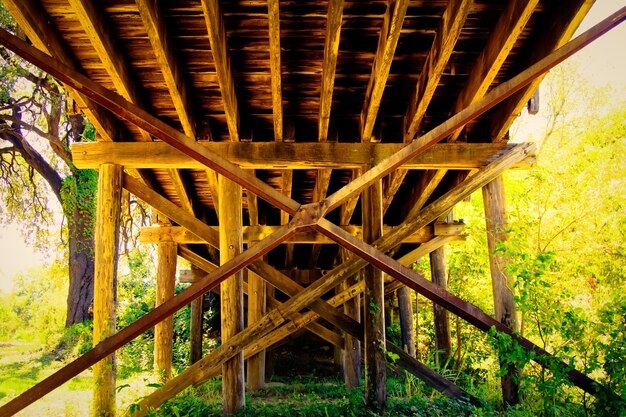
{"points": [[38, 122]]}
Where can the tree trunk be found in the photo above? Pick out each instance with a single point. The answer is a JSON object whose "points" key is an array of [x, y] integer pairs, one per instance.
{"points": [[81, 257]]}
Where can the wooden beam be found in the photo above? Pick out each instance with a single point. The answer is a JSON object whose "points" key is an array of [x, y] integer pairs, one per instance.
{"points": [[196, 318], [443, 45], [374, 317], [146, 121], [155, 234], [388, 40], [273, 17], [106, 241], [438, 273], [407, 331], [502, 284], [156, 28], [288, 155], [445, 39], [556, 34], [352, 350], [501, 40], [256, 310], [329, 65], [219, 48], [98, 30], [34, 20], [164, 331], [231, 294]]}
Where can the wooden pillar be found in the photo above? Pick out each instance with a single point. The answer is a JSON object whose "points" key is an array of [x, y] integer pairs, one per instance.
{"points": [[106, 244], [406, 320], [442, 320], [164, 331], [256, 310], [352, 350], [374, 321], [231, 292], [195, 321], [503, 296]]}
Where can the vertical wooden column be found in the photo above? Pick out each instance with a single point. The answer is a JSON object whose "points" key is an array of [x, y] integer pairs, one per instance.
{"points": [[352, 345], [106, 237], [442, 320], [503, 295], [231, 292], [256, 310], [195, 321], [375, 371], [164, 331], [406, 320]]}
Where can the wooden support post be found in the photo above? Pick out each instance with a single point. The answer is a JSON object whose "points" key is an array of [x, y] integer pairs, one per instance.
{"points": [[375, 367], [503, 296], [231, 291], [195, 321], [406, 320], [352, 345], [164, 331], [256, 310], [442, 321], [106, 236]]}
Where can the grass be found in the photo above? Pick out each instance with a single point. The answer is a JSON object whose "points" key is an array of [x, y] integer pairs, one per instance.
{"points": [[23, 364]]}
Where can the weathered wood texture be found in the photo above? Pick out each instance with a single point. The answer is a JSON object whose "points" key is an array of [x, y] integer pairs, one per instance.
{"points": [[164, 331], [106, 238], [407, 330], [352, 351], [494, 200], [288, 155], [196, 320], [256, 310], [231, 291], [178, 234], [439, 275], [374, 317]]}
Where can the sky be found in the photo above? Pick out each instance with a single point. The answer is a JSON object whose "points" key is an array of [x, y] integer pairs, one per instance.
{"points": [[603, 62]]}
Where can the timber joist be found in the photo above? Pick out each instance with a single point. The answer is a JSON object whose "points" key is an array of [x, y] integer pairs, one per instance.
{"points": [[220, 80]]}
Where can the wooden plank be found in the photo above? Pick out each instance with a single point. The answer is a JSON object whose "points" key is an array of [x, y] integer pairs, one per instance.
{"points": [[146, 121], [438, 273], [445, 39], [560, 30], [164, 331], [494, 201], [154, 234], [288, 155], [219, 48], [374, 316], [331, 49], [388, 40], [495, 96], [501, 40], [180, 186], [231, 294], [284, 216], [273, 17], [34, 20], [160, 39], [106, 241]]}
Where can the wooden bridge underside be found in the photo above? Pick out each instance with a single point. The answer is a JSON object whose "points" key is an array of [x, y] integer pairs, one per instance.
{"points": [[184, 94]]}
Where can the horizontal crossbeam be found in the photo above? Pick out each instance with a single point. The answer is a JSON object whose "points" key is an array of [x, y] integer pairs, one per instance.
{"points": [[178, 234]]}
